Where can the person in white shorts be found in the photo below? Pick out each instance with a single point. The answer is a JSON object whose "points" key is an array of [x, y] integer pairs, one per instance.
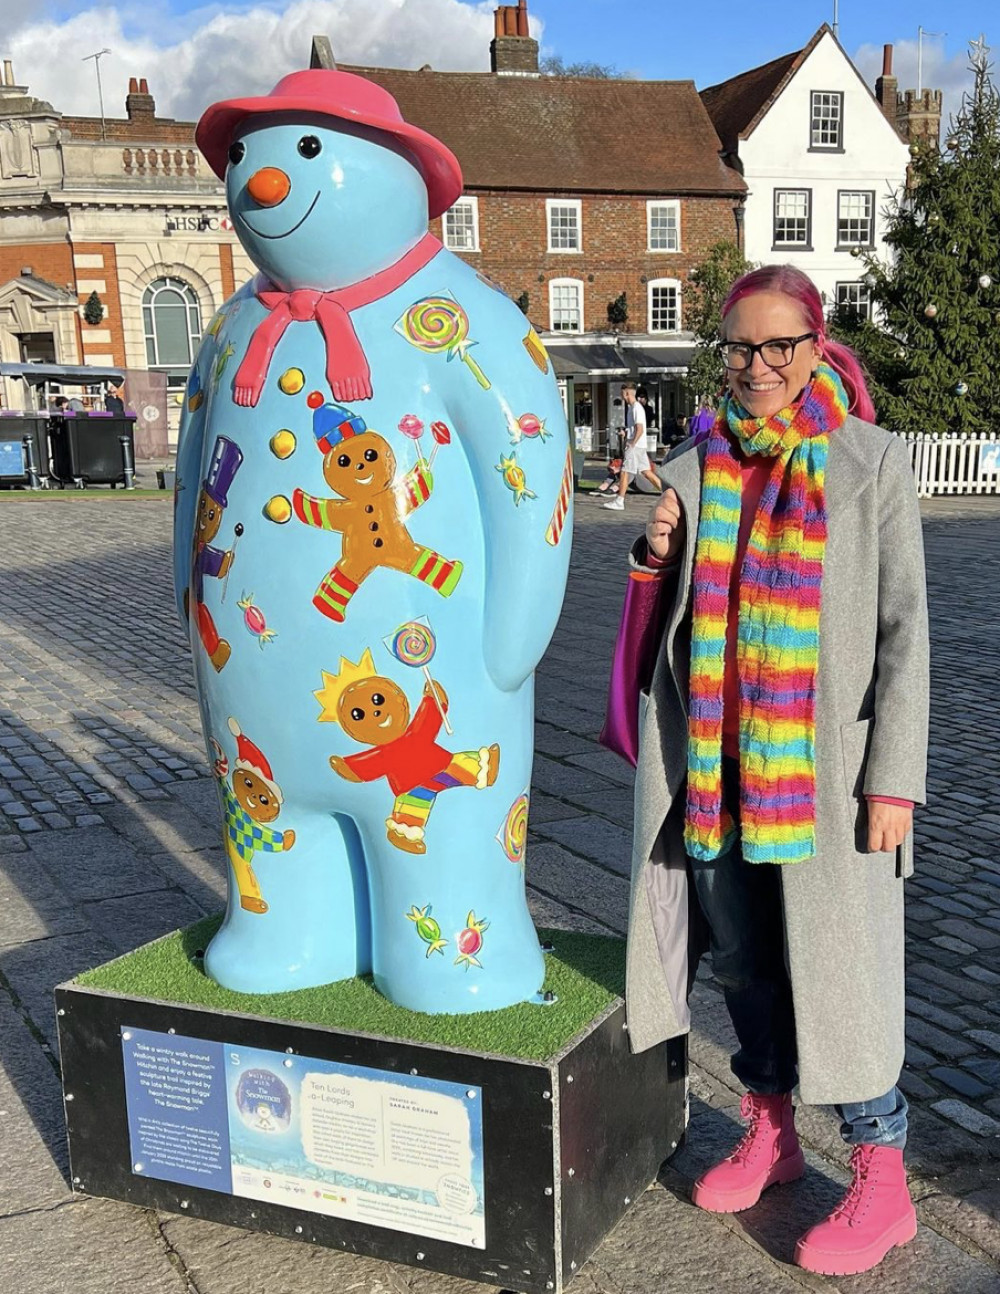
{"points": [[636, 460]]}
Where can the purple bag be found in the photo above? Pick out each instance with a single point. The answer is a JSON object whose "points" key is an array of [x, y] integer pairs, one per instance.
{"points": [[636, 648]]}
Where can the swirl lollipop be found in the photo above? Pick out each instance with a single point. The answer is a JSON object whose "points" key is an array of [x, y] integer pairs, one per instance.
{"points": [[512, 836], [414, 644], [439, 325]]}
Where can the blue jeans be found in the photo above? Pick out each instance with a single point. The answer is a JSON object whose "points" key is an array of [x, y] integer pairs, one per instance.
{"points": [[742, 904]]}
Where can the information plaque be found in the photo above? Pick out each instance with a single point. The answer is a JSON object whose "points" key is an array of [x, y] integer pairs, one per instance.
{"points": [[392, 1150]]}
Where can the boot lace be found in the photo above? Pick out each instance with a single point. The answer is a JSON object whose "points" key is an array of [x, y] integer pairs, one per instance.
{"points": [[751, 1109], [861, 1158]]}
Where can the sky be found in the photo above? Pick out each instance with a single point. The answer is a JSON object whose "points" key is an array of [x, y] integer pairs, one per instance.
{"points": [[193, 53]]}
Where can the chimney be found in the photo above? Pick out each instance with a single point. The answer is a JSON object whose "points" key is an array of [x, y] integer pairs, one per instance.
{"points": [[886, 87], [139, 103], [512, 50]]}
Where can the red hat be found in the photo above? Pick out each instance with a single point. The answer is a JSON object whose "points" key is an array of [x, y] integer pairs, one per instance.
{"points": [[249, 756], [345, 97]]}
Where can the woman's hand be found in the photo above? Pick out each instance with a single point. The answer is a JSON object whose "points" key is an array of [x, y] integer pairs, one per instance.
{"points": [[888, 825], [666, 530]]}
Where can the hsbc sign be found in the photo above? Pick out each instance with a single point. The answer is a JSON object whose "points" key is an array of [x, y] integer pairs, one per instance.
{"points": [[199, 222]]}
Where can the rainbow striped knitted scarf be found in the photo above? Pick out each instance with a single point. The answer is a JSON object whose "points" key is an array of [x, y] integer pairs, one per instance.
{"points": [[778, 637]]}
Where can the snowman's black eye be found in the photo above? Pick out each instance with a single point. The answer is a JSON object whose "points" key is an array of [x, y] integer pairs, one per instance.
{"points": [[237, 152], [357, 715], [344, 460], [309, 146]]}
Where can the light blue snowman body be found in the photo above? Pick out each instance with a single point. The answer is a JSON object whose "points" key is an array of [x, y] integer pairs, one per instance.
{"points": [[339, 882]]}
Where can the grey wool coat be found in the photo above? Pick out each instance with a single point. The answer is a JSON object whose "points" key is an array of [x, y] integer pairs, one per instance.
{"points": [[844, 907]]}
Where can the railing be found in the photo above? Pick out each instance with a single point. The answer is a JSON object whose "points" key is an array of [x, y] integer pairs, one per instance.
{"points": [[159, 161], [955, 464]]}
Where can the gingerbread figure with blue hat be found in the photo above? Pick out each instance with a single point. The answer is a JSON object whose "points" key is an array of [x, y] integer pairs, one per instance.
{"points": [[209, 562], [370, 513], [371, 384]]}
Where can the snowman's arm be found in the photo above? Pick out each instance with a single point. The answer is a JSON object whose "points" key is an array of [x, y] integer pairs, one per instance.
{"points": [[525, 572], [189, 460]]}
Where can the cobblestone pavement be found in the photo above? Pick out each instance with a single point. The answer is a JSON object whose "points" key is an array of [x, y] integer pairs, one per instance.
{"points": [[109, 836]]}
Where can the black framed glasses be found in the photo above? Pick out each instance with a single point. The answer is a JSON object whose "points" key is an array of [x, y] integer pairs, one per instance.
{"points": [[777, 352]]}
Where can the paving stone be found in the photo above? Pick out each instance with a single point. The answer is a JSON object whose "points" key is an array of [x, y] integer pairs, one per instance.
{"points": [[95, 863], [986, 1038], [959, 1081], [967, 1117], [592, 837], [985, 1068], [579, 884], [88, 1245], [945, 1044]]}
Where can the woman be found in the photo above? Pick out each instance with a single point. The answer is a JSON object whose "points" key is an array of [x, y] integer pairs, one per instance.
{"points": [[782, 748]]}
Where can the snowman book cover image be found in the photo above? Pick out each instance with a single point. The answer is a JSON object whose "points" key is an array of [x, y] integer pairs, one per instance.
{"points": [[372, 533]]}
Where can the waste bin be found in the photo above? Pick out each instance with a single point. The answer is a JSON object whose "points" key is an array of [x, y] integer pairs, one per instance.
{"points": [[93, 448], [24, 455]]}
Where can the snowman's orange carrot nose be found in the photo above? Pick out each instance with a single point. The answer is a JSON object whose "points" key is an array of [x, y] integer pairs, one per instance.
{"points": [[268, 186]]}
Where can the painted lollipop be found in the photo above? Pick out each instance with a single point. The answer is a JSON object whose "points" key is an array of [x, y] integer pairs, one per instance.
{"points": [[439, 325], [414, 644], [442, 436], [411, 426], [514, 832]]}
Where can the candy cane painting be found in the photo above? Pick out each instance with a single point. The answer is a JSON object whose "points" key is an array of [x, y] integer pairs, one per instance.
{"points": [[555, 527]]}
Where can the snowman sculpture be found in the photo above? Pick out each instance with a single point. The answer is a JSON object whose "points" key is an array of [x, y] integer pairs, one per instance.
{"points": [[374, 458]]}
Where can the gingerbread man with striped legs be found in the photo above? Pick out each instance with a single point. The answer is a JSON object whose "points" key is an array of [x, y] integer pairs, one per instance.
{"points": [[370, 513]]}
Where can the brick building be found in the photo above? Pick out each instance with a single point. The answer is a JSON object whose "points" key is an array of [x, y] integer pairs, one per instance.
{"points": [[589, 200], [579, 190]]}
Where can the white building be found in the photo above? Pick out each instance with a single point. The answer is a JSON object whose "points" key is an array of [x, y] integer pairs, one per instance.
{"points": [[821, 157]]}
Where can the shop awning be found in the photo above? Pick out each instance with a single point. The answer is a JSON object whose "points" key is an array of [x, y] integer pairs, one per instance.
{"points": [[79, 374], [658, 359], [596, 360]]}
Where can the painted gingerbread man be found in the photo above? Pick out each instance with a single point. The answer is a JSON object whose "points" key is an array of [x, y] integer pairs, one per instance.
{"points": [[370, 513], [209, 562], [375, 712], [252, 802]]}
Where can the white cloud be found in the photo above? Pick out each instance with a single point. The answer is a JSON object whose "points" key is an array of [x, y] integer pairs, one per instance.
{"points": [[221, 52], [950, 75]]}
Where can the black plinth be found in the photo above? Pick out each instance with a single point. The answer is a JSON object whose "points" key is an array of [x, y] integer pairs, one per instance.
{"points": [[567, 1143]]}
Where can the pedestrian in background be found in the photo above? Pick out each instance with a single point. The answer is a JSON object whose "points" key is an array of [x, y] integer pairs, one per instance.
{"points": [[702, 422], [782, 747], [636, 460], [114, 397]]}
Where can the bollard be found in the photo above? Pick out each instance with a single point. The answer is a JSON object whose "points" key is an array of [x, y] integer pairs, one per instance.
{"points": [[34, 479], [128, 461]]}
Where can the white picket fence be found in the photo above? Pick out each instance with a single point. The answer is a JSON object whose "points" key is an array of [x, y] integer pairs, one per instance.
{"points": [[955, 464]]}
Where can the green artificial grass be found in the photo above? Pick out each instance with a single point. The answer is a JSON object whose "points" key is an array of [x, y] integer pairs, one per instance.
{"points": [[50, 496], [586, 973]]}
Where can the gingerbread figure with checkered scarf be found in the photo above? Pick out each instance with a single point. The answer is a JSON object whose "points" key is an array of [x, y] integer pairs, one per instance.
{"points": [[370, 513], [250, 804]]}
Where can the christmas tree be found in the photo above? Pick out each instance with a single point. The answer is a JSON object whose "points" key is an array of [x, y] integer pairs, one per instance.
{"points": [[929, 348]]}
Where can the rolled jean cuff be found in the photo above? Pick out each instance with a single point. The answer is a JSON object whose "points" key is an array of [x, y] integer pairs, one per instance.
{"points": [[881, 1121]]}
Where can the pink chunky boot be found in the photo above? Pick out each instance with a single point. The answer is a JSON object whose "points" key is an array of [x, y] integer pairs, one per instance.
{"points": [[875, 1215], [768, 1153]]}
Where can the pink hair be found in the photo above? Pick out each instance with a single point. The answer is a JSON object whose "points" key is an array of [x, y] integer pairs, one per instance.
{"points": [[791, 282]]}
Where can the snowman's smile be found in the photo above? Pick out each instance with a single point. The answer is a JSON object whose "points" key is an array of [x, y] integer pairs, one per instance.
{"points": [[299, 222]]}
